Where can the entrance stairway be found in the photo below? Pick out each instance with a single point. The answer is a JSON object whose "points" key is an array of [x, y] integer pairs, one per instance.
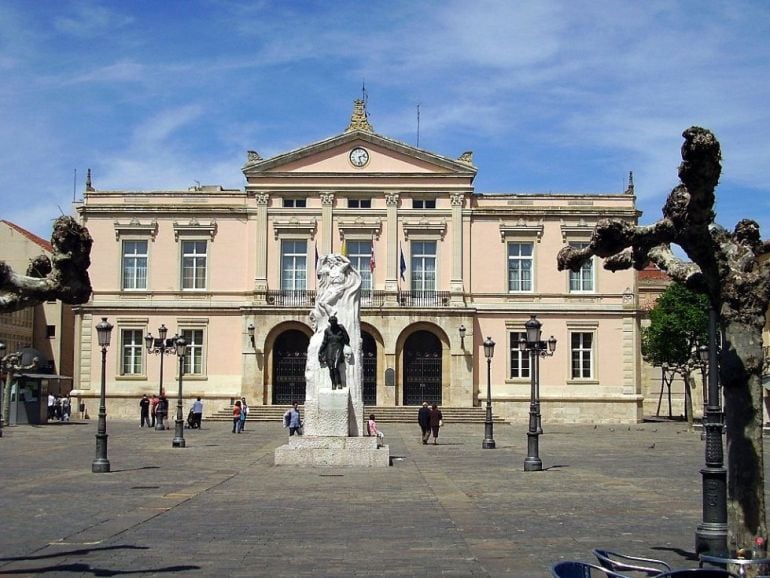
{"points": [[390, 414]]}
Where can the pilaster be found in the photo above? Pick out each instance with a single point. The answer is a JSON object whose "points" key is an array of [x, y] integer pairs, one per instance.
{"points": [[327, 207], [391, 279]]}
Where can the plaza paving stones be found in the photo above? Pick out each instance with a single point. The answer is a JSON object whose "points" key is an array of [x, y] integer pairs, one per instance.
{"points": [[219, 507]]}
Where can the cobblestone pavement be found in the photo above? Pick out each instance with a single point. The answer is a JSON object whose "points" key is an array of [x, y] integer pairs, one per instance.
{"points": [[219, 507]]}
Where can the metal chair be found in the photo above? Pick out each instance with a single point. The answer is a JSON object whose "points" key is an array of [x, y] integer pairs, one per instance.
{"points": [[698, 573], [572, 569], [625, 563]]}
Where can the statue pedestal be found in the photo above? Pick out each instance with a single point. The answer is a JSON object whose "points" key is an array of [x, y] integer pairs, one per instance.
{"points": [[332, 451], [333, 435]]}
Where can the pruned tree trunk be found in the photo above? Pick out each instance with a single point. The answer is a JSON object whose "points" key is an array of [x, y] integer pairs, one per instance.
{"points": [[741, 378], [63, 277], [733, 269], [688, 408]]}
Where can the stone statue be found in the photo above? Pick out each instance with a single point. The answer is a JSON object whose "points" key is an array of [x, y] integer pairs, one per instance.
{"points": [[338, 296], [330, 354]]}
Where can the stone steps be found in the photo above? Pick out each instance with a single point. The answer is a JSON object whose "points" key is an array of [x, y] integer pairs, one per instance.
{"points": [[385, 414]]}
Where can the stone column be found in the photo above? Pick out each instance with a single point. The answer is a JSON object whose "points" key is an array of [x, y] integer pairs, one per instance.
{"points": [[260, 248], [392, 261], [456, 282], [327, 204]]}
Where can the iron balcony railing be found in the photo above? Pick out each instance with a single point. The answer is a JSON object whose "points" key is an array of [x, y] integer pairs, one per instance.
{"points": [[291, 298], [424, 298], [369, 298]]}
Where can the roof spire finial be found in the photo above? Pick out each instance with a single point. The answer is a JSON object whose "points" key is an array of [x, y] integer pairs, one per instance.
{"points": [[630, 189], [89, 186], [359, 120]]}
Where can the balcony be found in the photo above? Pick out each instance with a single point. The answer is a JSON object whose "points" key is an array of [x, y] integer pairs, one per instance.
{"points": [[291, 298], [424, 298]]}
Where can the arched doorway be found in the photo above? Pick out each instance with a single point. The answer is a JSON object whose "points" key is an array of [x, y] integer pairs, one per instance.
{"points": [[422, 368], [369, 352], [289, 358]]}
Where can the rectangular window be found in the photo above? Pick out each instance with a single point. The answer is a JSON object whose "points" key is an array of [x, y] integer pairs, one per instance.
{"points": [[132, 352], [520, 267], [193, 359], [519, 359], [423, 203], [293, 265], [582, 357], [582, 281], [359, 203], [194, 262], [134, 265], [360, 255], [50, 331], [295, 203], [423, 265]]}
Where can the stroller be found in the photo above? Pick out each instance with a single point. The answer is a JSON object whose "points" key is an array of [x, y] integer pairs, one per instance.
{"points": [[191, 420]]}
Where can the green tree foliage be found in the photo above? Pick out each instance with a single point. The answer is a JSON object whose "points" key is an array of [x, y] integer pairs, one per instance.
{"points": [[678, 325]]}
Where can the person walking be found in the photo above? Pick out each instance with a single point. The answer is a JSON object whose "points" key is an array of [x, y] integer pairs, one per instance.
{"points": [[423, 418], [237, 417], [144, 411], [244, 413], [436, 421], [197, 411], [66, 407], [153, 409], [51, 405], [161, 411], [371, 427], [293, 420]]}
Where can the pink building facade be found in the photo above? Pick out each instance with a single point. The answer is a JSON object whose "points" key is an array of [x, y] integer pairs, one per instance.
{"points": [[233, 272]]}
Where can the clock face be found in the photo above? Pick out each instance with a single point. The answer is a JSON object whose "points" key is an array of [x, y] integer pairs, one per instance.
{"points": [[359, 157]]}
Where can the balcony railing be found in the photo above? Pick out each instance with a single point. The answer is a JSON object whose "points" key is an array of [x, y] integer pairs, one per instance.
{"points": [[291, 298], [424, 298], [372, 298], [306, 298]]}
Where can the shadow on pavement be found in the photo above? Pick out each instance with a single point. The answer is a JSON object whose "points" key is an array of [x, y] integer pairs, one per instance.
{"points": [[87, 569]]}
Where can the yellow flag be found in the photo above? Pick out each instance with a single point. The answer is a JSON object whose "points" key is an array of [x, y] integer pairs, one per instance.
{"points": [[344, 249]]}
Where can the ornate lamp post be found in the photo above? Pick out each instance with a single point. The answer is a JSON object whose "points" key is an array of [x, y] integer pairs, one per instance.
{"points": [[11, 364], [462, 331], [537, 349], [160, 346], [711, 534], [178, 441], [489, 441], [101, 464]]}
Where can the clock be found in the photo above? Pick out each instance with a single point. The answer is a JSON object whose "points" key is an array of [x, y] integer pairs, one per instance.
{"points": [[359, 157]]}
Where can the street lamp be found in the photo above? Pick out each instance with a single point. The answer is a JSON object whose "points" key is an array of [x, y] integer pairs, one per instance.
{"points": [[489, 441], [178, 441], [251, 330], [537, 349], [160, 346], [462, 331], [101, 464], [711, 534]]}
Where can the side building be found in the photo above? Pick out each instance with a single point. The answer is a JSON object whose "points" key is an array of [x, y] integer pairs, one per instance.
{"points": [[443, 268]]}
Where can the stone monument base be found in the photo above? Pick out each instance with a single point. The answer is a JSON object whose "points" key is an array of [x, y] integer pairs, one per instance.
{"points": [[332, 451]]}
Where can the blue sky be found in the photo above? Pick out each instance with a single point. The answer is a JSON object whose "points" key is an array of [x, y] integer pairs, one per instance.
{"points": [[552, 96]]}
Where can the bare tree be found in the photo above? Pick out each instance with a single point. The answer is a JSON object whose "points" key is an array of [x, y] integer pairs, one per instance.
{"points": [[731, 269], [63, 277]]}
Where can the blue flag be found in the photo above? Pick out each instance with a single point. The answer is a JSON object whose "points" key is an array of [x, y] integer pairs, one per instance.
{"points": [[403, 263]]}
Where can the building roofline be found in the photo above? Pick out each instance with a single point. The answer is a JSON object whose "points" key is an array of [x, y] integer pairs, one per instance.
{"points": [[42, 243]]}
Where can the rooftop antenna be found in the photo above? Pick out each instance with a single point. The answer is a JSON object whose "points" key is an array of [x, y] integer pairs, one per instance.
{"points": [[418, 125]]}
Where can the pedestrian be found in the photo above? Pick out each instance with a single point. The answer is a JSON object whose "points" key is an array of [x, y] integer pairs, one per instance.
{"points": [[293, 420], [237, 417], [244, 413], [371, 427], [66, 407], [51, 404], [57, 407], [197, 411], [436, 421], [144, 411], [161, 411], [423, 418], [153, 409]]}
